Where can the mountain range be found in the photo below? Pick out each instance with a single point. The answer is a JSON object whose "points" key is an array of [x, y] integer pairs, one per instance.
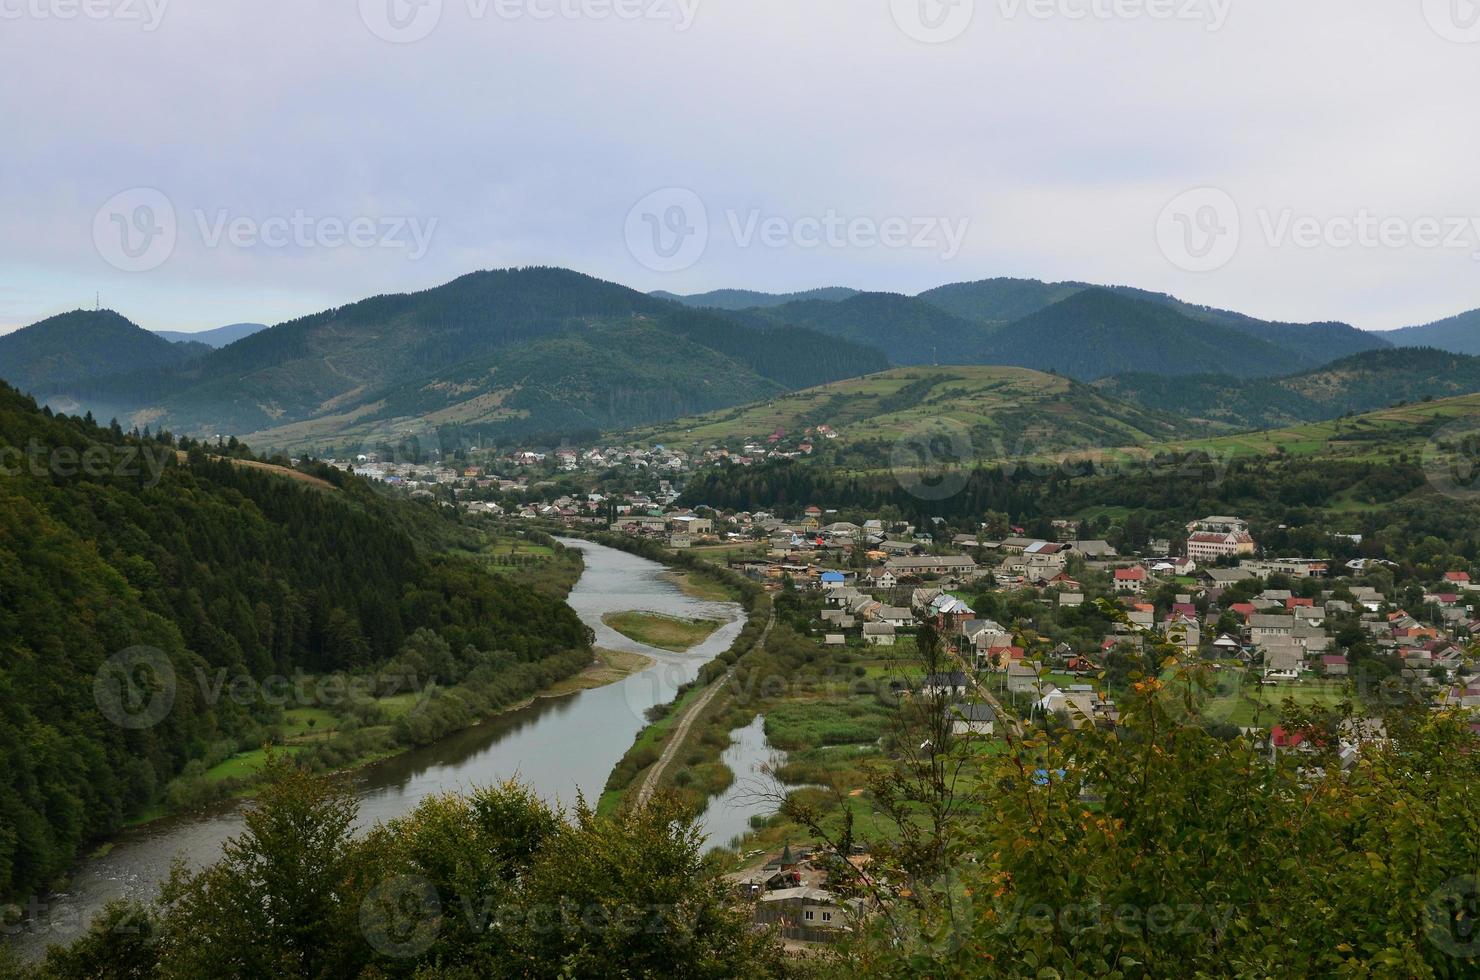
{"points": [[519, 354]]}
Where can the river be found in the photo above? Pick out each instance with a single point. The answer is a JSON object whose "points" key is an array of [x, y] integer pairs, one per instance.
{"points": [[559, 746]]}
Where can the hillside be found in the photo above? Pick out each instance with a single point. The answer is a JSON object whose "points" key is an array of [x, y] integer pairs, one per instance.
{"points": [[999, 409], [745, 299], [348, 363], [49, 356], [1098, 332], [219, 337], [907, 330], [216, 566], [1359, 383], [1457, 334]]}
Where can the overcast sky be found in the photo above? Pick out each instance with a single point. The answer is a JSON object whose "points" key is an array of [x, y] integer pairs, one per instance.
{"points": [[202, 162]]}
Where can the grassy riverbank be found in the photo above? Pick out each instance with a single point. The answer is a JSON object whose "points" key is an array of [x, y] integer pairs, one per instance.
{"points": [[663, 632]]}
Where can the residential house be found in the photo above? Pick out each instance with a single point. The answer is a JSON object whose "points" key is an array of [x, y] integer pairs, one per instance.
{"points": [[972, 719], [1131, 581], [954, 683]]}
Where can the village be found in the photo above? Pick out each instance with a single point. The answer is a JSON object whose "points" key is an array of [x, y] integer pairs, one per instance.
{"points": [[1043, 633]]}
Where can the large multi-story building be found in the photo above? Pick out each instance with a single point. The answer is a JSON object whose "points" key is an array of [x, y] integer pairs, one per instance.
{"points": [[1216, 537]]}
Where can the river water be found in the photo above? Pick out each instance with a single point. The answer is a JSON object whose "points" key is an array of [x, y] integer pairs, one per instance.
{"points": [[561, 747]]}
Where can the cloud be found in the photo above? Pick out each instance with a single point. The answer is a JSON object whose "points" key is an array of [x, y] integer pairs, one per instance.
{"points": [[528, 129]]}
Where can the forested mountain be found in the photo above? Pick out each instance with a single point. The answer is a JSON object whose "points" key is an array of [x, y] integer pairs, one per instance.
{"points": [[219, 337], [997, 301], [1358, 383], [468, 346], [214, 570], [47, 357], [744, 299], [907, 330], [1457, 334], [1098, 332]]}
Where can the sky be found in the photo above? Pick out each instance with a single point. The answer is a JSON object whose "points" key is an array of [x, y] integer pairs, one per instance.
{"points": [[192, 163]]}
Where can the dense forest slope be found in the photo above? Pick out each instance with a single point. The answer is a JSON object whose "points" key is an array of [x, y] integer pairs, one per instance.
{"points": [[50, 356], [110, 543]]}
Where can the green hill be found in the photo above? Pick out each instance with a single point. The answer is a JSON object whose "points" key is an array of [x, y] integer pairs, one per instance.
{"points": [[995, 407], [48, 357], [1358, 383], [1098, 332]]}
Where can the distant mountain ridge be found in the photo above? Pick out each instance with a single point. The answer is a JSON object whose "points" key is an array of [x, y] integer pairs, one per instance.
{"points": [[219, 337], [1046, 326], [744, 299], [493, 351], [1459, 334]]}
